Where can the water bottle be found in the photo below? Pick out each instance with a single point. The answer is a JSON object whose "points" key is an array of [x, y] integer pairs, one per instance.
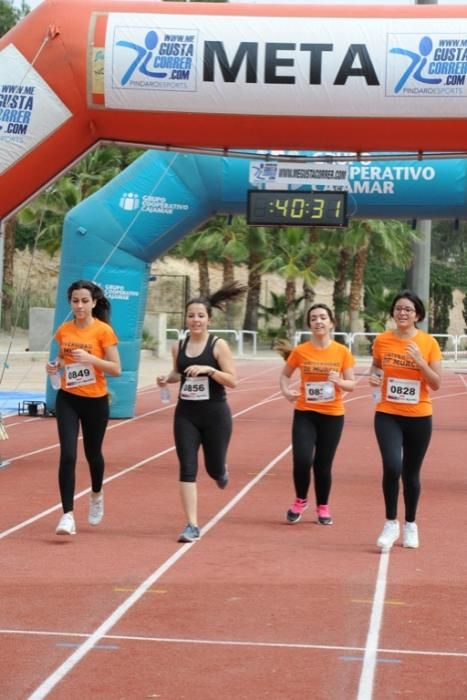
{"points": [[376, 393], [56, 379], [165, 394]]}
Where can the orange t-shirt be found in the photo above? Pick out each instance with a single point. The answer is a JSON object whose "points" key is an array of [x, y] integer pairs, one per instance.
{"points": [[315, 363], [95, 339], [404, 391]]}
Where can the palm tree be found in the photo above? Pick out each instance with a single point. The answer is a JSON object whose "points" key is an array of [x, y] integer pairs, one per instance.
{"points": [[391, 242], [8, 277], [288, 260], [195, 249], [339, 295], [225, 236], [47, 212], [256, 240]]}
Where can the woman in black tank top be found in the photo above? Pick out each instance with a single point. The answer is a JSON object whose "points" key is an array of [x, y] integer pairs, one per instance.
{"points": [[204, 366]]}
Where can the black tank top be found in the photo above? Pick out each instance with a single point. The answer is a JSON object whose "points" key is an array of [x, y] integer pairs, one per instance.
{"points": [[216, 390]]}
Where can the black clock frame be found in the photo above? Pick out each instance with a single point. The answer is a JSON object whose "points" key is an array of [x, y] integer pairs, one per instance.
{"points": [[316, 209]]}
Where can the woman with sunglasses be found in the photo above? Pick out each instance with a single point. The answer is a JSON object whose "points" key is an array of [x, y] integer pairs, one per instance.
{"points": [[406, 365]]}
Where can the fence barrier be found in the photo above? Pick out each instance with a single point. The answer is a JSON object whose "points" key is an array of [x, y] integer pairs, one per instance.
{"points": [[237, 337], [360, 344]]}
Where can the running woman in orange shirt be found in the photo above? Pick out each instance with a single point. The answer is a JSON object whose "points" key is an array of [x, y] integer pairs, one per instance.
{"points": [[87, 350], [326, 372], [406, 364]]}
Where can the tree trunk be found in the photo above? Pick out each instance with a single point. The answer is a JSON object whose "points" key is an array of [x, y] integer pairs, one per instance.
{"points": [[308, 291], [8, 276], [309, 297], [356, 287], [290, 294], [250, 322], [203, 271], [228, 276], [338, 295]]}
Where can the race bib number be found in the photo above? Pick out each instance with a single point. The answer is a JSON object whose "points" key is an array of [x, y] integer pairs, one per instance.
{"points": [[79, 374], [195, 389], [403, 390], [319, 392]]}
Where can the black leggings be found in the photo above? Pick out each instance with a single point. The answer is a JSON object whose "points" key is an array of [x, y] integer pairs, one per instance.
{"points": [[403, 443], [93, 414], [315, 438], [207, 424]]}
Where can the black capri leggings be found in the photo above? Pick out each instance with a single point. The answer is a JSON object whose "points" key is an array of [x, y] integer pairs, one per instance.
{"points": [[315, 438], [207, 424], [93, 414], [403, 443]]}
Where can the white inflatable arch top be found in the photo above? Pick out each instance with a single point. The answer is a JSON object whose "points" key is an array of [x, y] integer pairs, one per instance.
{"points": [[226, 76]]}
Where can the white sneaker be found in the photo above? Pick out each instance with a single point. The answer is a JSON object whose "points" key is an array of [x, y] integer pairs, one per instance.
{"points": [[96, 509], [66, 525], [389, 535], [410, 536]]}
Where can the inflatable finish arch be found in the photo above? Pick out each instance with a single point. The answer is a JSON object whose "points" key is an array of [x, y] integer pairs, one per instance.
{"points": [[224, 76], [113, 236]]}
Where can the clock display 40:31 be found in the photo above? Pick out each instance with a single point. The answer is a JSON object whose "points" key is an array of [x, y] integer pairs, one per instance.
{"points": [[287, 208]]}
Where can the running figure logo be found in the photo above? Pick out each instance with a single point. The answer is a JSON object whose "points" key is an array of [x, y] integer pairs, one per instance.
{"points": [[143, 58], [417, 64]]}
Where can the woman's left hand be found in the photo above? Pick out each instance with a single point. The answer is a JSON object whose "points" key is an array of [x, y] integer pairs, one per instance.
{"points": [[334, 377], [80, 355], [414, 352], [197, 370]]}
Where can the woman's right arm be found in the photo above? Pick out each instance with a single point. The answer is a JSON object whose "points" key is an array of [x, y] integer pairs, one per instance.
{"points": [[290, 394], [376, 375], [174, 375]]}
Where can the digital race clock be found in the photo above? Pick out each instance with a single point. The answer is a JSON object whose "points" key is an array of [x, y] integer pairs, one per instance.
{"points": [[287, 208]]}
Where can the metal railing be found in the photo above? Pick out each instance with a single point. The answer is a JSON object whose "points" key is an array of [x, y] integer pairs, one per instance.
{"points": [[237, 338], [359, 344]]}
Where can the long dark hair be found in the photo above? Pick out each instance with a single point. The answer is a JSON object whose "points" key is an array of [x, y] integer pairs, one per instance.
{"points": [[216, 300], [416, 301], [102, 308]]}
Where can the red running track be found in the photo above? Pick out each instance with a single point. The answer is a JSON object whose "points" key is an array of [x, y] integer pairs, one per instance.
{"points": [[257, 608]]}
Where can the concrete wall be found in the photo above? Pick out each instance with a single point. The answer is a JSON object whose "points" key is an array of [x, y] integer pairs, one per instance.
{"points": [[40, 328]]}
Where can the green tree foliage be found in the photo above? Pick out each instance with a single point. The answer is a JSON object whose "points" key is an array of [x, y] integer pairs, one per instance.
{"points": [[44, 216], [10, 15], [441, 286], [288, 257], [448, 271]]}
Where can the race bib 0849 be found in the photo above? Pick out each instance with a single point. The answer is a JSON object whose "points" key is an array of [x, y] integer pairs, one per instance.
{"points": [[79, 374]]}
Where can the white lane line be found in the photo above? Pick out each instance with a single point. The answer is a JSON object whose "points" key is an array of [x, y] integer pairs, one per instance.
{"points": [[58, 506], [119, 474], [365, 687], [49, 683], [231, 642]]}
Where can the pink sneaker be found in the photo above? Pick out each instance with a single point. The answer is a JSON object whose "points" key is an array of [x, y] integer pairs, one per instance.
{"points": [[324, 516], [295, 511]]}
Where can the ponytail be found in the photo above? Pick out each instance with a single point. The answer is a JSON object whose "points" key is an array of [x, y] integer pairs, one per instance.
{"points": [[283, 347], [216, 300]]}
